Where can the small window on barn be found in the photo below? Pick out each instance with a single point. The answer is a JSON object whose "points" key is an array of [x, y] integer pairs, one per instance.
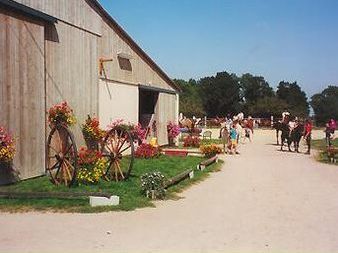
{"points": [[124, 61]]}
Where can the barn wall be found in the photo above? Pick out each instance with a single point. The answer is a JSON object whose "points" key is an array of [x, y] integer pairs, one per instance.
{"points": [[76, 12], [22, 87], [166, 111], [71, 71], [142, 73], [117, 101]]}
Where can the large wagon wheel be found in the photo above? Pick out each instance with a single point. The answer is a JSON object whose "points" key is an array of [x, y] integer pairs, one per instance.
{"points": [[118, 148], [61, 156]]}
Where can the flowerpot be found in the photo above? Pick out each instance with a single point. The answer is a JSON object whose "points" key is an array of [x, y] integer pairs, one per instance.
{"points": [[7, 173]]}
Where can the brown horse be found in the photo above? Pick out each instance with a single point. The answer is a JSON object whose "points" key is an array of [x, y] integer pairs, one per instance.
{"points": [[190, 124]]}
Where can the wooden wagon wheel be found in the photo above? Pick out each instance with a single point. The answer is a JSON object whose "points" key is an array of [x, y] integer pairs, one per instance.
{"points": [[61, 156], [118, 148]]}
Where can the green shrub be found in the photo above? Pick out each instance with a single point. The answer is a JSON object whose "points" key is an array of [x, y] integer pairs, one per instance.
{"points": [[152, 185]]}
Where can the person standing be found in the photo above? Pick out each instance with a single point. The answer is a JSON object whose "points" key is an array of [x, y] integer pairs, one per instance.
{"points": [[250, 127], [330, 128], [233, 139], [307, 135]]}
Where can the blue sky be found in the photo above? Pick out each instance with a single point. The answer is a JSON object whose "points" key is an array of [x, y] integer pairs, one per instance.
{"points": [[292, 40]]}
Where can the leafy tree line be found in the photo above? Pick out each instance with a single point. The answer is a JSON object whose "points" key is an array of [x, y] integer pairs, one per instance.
{"points": [[227, 93]]}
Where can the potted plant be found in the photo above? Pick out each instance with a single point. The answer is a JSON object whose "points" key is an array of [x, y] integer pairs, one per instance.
{"points": [[173, 131], [7, 153], [92, 133], [61, 114], [136, 131]]}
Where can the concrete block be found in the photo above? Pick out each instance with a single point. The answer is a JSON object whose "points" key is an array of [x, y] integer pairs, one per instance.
{"points": [[103, 201]]}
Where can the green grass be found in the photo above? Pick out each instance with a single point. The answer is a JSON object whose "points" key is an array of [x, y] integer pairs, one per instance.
{"points": [[129, 190], [211, 141], [321, 146]]}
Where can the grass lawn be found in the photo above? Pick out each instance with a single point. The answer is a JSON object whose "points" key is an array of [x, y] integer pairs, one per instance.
{"points": [[129, 191], [321, 146]]}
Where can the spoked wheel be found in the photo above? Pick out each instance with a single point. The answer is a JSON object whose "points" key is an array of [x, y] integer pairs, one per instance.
{"points": [[118, 148], [61, 156]]}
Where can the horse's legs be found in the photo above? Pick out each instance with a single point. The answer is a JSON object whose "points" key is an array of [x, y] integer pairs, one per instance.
{"points": [[282, 144], [297, 146], [277, 133], [289, 144]]}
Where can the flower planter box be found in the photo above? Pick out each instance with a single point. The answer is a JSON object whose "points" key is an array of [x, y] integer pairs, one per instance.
{"points": [[176, 153]]}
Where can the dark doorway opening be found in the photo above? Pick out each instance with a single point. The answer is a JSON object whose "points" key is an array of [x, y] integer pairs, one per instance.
{"points": [[147, 104]]}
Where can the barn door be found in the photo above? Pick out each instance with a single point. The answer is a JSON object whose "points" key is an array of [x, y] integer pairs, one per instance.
{"points": [[22, 89]]}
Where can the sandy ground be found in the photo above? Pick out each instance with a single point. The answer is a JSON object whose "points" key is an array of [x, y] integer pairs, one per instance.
{"points": [[263, 200]]}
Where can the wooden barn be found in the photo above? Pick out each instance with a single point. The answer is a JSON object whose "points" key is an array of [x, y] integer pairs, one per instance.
{"points": [[74, 51]]}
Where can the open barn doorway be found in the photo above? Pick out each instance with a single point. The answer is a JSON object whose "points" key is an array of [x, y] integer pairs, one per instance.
{"points": [[147, 110]]}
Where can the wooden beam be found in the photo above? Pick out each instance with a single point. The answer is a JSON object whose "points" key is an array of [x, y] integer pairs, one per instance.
{"points": [[51, 195], [176, 179]]}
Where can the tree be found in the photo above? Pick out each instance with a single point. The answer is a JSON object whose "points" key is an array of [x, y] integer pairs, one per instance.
{"points": [[325, 105], [257, 94], [295, 98], [266, 107], [220, 94], [254, 88], [190, 101]]}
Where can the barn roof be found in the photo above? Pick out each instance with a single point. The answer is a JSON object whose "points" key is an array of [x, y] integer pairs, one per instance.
{"points": [[133, 44], [10, 4]]}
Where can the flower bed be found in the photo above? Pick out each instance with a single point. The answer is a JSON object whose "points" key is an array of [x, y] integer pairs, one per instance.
{"points": [[191, 141], [147, 151], [92, 166], [210, 150]]}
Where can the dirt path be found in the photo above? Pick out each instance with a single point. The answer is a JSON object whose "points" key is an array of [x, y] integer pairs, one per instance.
{"points": [[262, 201]]}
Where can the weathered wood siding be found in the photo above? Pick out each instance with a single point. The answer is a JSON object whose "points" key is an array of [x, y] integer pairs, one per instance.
{"points": [[118, 101], [22, 86], [166, 111], [76, 12], [142, 73], [72, 71]]}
